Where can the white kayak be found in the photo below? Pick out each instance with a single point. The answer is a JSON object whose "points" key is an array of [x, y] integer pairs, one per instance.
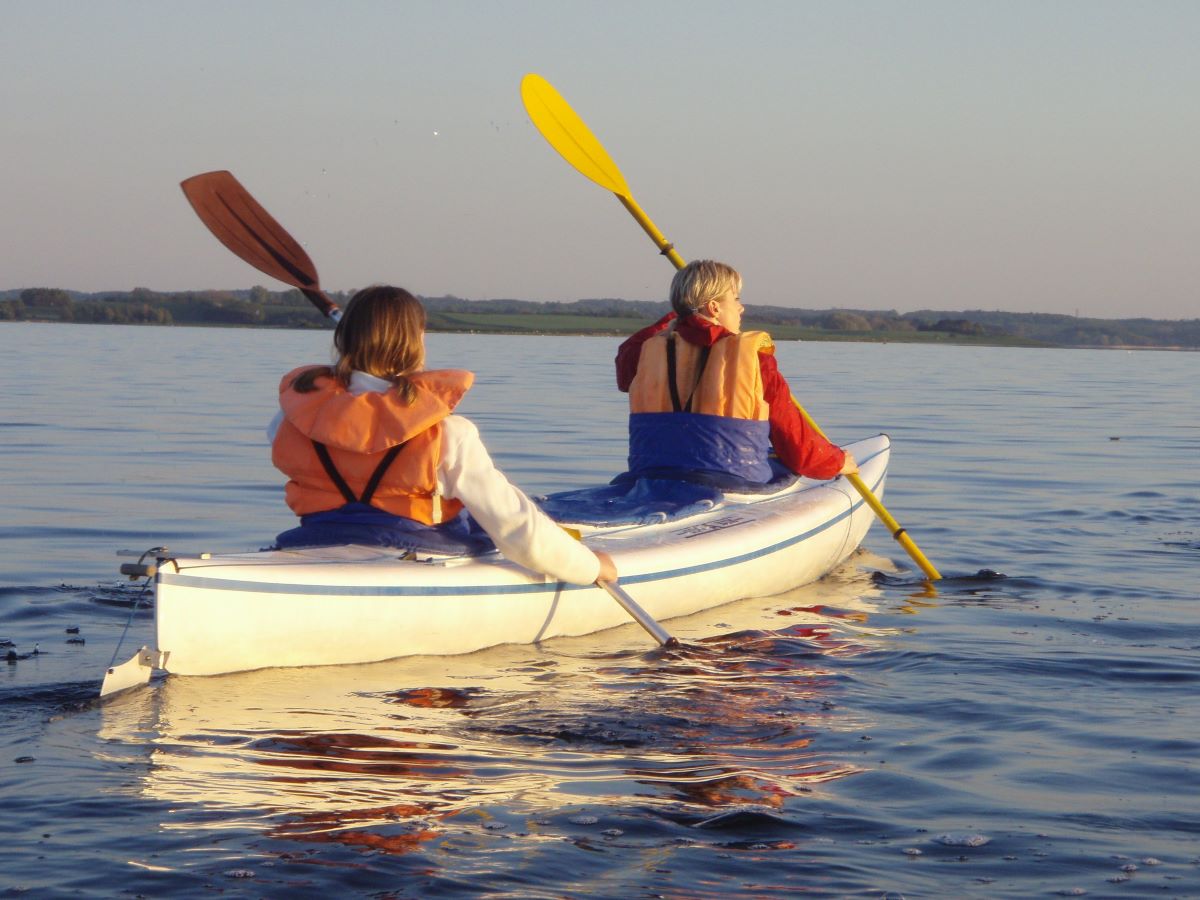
{"points": [[218, 613]]}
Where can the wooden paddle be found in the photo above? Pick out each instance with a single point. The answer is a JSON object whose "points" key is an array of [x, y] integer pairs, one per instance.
{"points": [[569, 135], [238, 221]]}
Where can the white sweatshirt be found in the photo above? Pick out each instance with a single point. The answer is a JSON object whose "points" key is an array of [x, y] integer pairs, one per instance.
{"points": [[521, 531]]}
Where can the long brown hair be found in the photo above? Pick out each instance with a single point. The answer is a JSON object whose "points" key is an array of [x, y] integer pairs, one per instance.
{"points": [[381, 332]]}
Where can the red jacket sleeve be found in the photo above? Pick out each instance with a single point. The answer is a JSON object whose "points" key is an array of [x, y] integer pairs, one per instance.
{"points": [[630, 352], [797, 444]]}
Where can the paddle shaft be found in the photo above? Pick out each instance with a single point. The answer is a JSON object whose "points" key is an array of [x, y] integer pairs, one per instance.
{"points": [[638, 614], [562, 128], [665, 247], [897, 531], [630, 605]]}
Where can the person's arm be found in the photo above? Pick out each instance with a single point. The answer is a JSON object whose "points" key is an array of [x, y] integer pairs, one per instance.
{"points": [[797, 444], [630, 351], [522, 532]]}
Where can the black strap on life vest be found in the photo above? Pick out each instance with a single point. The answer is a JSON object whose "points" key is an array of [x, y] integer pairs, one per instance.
{"points": [[340, 483], [704, 351]]}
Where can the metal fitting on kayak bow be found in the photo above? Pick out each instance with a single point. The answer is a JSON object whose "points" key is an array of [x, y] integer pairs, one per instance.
{"points": [[139, 570]]}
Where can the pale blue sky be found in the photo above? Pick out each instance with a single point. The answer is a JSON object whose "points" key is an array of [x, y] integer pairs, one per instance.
{"points": [[1030, 156]]}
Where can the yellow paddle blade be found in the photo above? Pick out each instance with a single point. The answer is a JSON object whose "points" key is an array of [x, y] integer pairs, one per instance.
{"points": [[568, 134]]}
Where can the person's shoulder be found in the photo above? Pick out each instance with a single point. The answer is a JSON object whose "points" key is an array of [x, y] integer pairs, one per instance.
{"points": [[459, 429], [759, 340], [462, 447], [448, 384], [460, 378]]}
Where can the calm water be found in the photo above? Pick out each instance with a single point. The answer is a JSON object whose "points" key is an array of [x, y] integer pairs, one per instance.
{"points": [[1031, 735]]}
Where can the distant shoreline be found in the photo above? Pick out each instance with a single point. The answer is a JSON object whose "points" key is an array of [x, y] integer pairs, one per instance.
{"points": [[261, 308], [944, 340]]}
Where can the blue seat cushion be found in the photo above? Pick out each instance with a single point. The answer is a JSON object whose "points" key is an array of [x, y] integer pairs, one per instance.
{"points": [[359, 523], [638, 501], [780, 477]]}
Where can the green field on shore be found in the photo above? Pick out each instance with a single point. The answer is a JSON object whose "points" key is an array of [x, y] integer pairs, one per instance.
{"points": [[557, 323]]}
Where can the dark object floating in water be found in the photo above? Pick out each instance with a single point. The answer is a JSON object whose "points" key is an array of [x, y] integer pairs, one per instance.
{"points": [[748, 820], [12, 657], [904, 580], [1114, 438], [74, 629], [435, 698], [76, 640], [24, 759]]}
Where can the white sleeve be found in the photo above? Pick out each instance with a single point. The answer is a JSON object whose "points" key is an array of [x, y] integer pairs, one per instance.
{"points": [[522, 532]]}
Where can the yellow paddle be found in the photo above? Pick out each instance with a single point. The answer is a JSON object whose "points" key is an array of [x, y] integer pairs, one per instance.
{"points": [[569, 135]]}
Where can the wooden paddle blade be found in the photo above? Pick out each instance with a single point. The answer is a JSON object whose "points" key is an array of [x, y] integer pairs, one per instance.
{"points": [[568, 134], [239, 222]]}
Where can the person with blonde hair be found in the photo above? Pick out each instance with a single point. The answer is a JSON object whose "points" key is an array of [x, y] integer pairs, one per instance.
{"points": [[374, 453], [706, 399]]}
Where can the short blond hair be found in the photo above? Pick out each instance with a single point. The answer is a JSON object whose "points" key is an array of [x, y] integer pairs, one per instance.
{"points": [[699, 282]]}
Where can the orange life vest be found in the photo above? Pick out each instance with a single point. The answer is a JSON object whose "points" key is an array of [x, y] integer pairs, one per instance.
{"points": [[357, 432], [730, 385]]}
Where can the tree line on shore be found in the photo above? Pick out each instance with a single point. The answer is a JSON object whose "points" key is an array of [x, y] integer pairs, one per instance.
{"points": [[261, 307]]}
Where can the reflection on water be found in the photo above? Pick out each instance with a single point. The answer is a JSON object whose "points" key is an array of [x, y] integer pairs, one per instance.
{"points": [[520, 740]]}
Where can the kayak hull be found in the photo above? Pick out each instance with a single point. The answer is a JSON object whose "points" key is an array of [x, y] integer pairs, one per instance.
{"points": [[330, 606]]}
